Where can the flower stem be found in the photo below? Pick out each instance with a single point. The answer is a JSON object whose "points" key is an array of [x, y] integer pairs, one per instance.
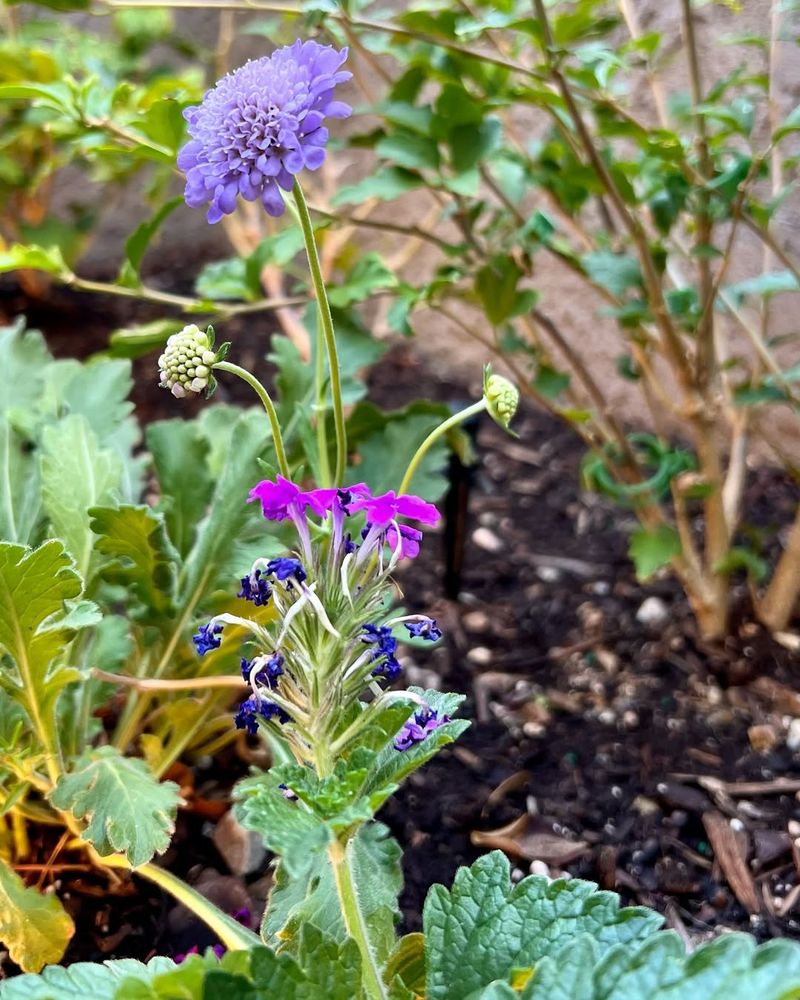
{"points": [[326, 336], [231, 933], [341, 861], [269, 406], [433, 437]]}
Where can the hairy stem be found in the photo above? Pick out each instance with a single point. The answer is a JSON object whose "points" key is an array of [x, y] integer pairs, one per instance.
{"points": [[325, 339], [269, 406]]}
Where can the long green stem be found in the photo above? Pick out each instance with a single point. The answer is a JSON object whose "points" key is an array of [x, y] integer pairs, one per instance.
{"points": [[326, 337], [341, 861], [433, 437], [230, 932], [269, 406]]}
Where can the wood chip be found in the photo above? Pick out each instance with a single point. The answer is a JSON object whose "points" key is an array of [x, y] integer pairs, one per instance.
{"points": [[531, 838], [730, 853]]}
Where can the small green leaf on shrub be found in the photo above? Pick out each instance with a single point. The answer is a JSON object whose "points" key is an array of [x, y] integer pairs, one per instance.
{"points": [[652, 549]]}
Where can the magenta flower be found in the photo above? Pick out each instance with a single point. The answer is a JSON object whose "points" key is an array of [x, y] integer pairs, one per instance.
{"points": [[382, 510], [409, 540], [283, 499], [261, 125]]}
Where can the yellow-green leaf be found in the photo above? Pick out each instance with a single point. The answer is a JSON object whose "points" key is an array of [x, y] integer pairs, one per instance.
{"points": [[34, 927]]}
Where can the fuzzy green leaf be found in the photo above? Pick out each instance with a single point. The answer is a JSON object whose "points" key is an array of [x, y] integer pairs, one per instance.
{"points": [[482, 929], [127, 808], [34, 258], [84, 980], [76, 474], [180, 456], [33, 926], [20, 495], [24, 360]]}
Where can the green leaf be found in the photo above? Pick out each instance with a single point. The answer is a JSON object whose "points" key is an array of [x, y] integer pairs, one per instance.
{"points": [[35, 621], [369, 275], [24, 359], [180, 457], [385, 184], [99, 392], [790, 124], [311, 898], [386, 453], [409, 150], [76, 475], [126, 807], [144, 559], [33, 927], [226, 280], [729, 968], [470, 144], [612, 271], [138, 242], [483, 928], [652, 549], [20, 493], [765, 285], [135, 341], [496, 287], [33, 258], [83, 980], [56, 96]]}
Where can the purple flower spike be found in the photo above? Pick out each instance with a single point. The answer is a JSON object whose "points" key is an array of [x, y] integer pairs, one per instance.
{"points": [[382, 510], [425, 628], [207, 638], [283, 499], [261, 125], [418, 728]]}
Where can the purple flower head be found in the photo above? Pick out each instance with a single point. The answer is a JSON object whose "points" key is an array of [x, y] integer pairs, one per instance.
{"points": [[207, 638], [382, 510], [418, 727], [425, 628], [256, 589], [261, 125], [253, 707], [283, 499], [286, 569]]}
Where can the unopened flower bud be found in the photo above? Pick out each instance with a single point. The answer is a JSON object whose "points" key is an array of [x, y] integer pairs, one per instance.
{"points": [[185, 366], [502, 397]]}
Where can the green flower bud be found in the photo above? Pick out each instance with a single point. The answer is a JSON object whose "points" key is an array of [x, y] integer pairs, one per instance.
{"points": [[185, 366], [502, 397]]}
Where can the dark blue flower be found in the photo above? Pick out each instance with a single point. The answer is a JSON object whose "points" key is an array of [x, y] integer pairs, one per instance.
{"points": [[418, 728], [207, 638], [256, 589], [283, 569], [426, 628], [349, 544], [386, 646], [261, 125], [253, 707], [268, 673]]}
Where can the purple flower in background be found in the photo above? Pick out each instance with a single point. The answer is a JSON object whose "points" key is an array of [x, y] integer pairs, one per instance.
{"points": [[425, 628], [261, 125], [207, 638], [418, 728], [409, 540]]}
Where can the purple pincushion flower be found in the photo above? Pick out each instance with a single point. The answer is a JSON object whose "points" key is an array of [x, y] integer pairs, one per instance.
{"points": [[261, 125], [418, 728]]}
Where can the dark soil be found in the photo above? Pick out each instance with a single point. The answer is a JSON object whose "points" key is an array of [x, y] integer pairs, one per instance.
{"points": [[615, 746]]}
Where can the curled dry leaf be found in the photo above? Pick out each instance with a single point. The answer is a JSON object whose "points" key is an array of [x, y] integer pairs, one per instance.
{"points": [[532, 839]]}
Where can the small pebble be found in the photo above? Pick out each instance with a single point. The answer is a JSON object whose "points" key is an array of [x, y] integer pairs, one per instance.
{"points": [[763, 738], [539, 868], [652, 611], [548, 574], [487, 540], [793, 736], [480, 655], [476, 621]]}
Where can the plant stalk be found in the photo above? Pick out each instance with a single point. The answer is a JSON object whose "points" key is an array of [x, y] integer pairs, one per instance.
{"points": [[269, 406], [433, 437], [327, 338]]}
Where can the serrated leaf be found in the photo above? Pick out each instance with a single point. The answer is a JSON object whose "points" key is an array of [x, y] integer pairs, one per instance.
{"points": [[76, 474], [99, 391], [650, 549], [126, 807], [35, 588], [180, 457], [369, 274], [83, 980], [33, 927], [144, 559], [482, 929], [33, 258]]}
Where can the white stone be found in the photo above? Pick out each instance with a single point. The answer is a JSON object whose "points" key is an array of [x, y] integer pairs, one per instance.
{"points": [[652, 611], [793, 736]]}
